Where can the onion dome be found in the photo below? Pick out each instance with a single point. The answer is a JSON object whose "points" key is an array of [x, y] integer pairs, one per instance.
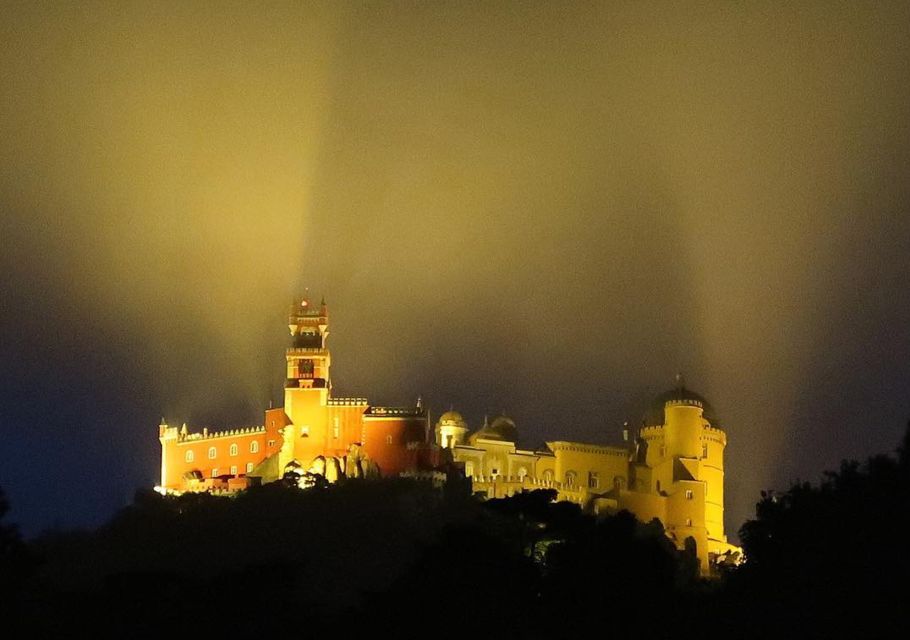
{"points": [[679, 395]]}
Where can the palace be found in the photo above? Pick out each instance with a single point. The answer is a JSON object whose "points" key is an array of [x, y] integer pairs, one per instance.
{"points": [[673, 471]]}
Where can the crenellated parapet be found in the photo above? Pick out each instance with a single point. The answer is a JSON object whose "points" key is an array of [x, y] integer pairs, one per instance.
{"points": [[652, 433], [182, 435], [714, 434], [390, 412], [347, 402], [581, 447]]}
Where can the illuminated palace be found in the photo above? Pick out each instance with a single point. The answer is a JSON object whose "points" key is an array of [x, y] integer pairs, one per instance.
{"points": [[673, 471]]}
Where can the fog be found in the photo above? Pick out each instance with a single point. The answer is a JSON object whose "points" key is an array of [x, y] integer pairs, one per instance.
{"points": [[541, 208]]}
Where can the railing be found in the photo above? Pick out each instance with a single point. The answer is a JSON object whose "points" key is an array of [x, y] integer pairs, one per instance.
{"points": [[307, 350]]}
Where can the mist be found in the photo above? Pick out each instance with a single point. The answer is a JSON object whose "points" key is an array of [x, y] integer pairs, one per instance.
{"points": [[547, 210]]}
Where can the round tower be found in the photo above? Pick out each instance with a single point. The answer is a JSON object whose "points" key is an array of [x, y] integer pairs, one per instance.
{"points": [[451, 430]]}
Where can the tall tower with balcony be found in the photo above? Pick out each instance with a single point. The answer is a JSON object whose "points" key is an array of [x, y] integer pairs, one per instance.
{"points": [[308, 382]]}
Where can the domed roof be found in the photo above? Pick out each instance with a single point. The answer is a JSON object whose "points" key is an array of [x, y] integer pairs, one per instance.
{"points": [[501, 428], [452, 419], [678, 395]]}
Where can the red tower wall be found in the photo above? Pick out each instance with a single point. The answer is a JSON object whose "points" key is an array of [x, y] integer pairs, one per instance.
{"points": [[386, 441]]}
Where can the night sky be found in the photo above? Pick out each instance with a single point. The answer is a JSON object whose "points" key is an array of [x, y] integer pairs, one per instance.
{"points": [[542, 208]]}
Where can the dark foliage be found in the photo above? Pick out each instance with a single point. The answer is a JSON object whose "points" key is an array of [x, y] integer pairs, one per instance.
{"points": [[399, 558], [829, 559]]}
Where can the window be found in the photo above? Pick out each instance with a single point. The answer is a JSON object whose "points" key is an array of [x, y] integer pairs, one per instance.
{"points": [[189, 456], [469, 469], [688, 522], [271, 443], [336, 428], [249, 467], [689, 494], [215, 472], [522, 472], [254, 446], [704, 451], [388, 439], [234, 449], [304, 431], [233, 469], [571, 478], [212, 453], [593, 480], [548, 475], [619, 483], [663, 451]]}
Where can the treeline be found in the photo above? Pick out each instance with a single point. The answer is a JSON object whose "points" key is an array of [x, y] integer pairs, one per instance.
{"points": [[398, 558]]}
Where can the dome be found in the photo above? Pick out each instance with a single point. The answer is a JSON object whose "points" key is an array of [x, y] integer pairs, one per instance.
{"points": [[501, 428], [452, 419], [678, 395]]}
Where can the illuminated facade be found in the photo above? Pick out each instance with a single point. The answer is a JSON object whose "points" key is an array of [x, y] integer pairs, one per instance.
{"points": [[674, 471], [314, 433]]}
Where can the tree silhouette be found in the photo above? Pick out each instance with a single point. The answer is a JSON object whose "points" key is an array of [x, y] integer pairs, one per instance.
{"points": [[826, 557]]}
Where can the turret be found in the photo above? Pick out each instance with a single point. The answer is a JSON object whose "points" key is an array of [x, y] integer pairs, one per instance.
{"points": [[451, 429]]}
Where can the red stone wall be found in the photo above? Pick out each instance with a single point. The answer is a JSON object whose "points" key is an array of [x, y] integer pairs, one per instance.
{"points": [[386, 442]]}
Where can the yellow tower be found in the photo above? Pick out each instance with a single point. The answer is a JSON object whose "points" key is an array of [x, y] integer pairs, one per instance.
{"points": [[451, 430], [308, 382], [681, 461]]}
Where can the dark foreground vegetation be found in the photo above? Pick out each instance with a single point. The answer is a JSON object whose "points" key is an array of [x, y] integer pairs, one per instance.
{"points": [[399, 559]]}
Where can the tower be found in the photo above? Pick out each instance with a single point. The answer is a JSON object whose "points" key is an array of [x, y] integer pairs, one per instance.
{"points": [[308, 381], [681, 461], [451, 430]]}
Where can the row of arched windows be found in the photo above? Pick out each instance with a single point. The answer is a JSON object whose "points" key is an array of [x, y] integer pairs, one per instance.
{"points": [[249, 467], [234, 450]]}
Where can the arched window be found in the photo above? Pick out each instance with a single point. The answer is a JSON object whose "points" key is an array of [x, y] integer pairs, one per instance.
{"points": [[619, 483], [249, 467], [212, 453], [215, 472], [254, 446], [548, 475], [234, 449], [571, 478], [704, 451], [522, 472], [189, 456], [388, 439], [593, 480], [233, 469]]}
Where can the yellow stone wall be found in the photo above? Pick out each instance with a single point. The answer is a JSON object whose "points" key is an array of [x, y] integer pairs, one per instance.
{"points": [[680, 482]]}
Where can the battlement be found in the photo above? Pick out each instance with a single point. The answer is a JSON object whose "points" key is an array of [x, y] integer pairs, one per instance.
{"points": [[306, 351], [182, 435], [715, 434], [684, 402], [581, 447], [347, 402], [385, 412], [652, 433]]}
